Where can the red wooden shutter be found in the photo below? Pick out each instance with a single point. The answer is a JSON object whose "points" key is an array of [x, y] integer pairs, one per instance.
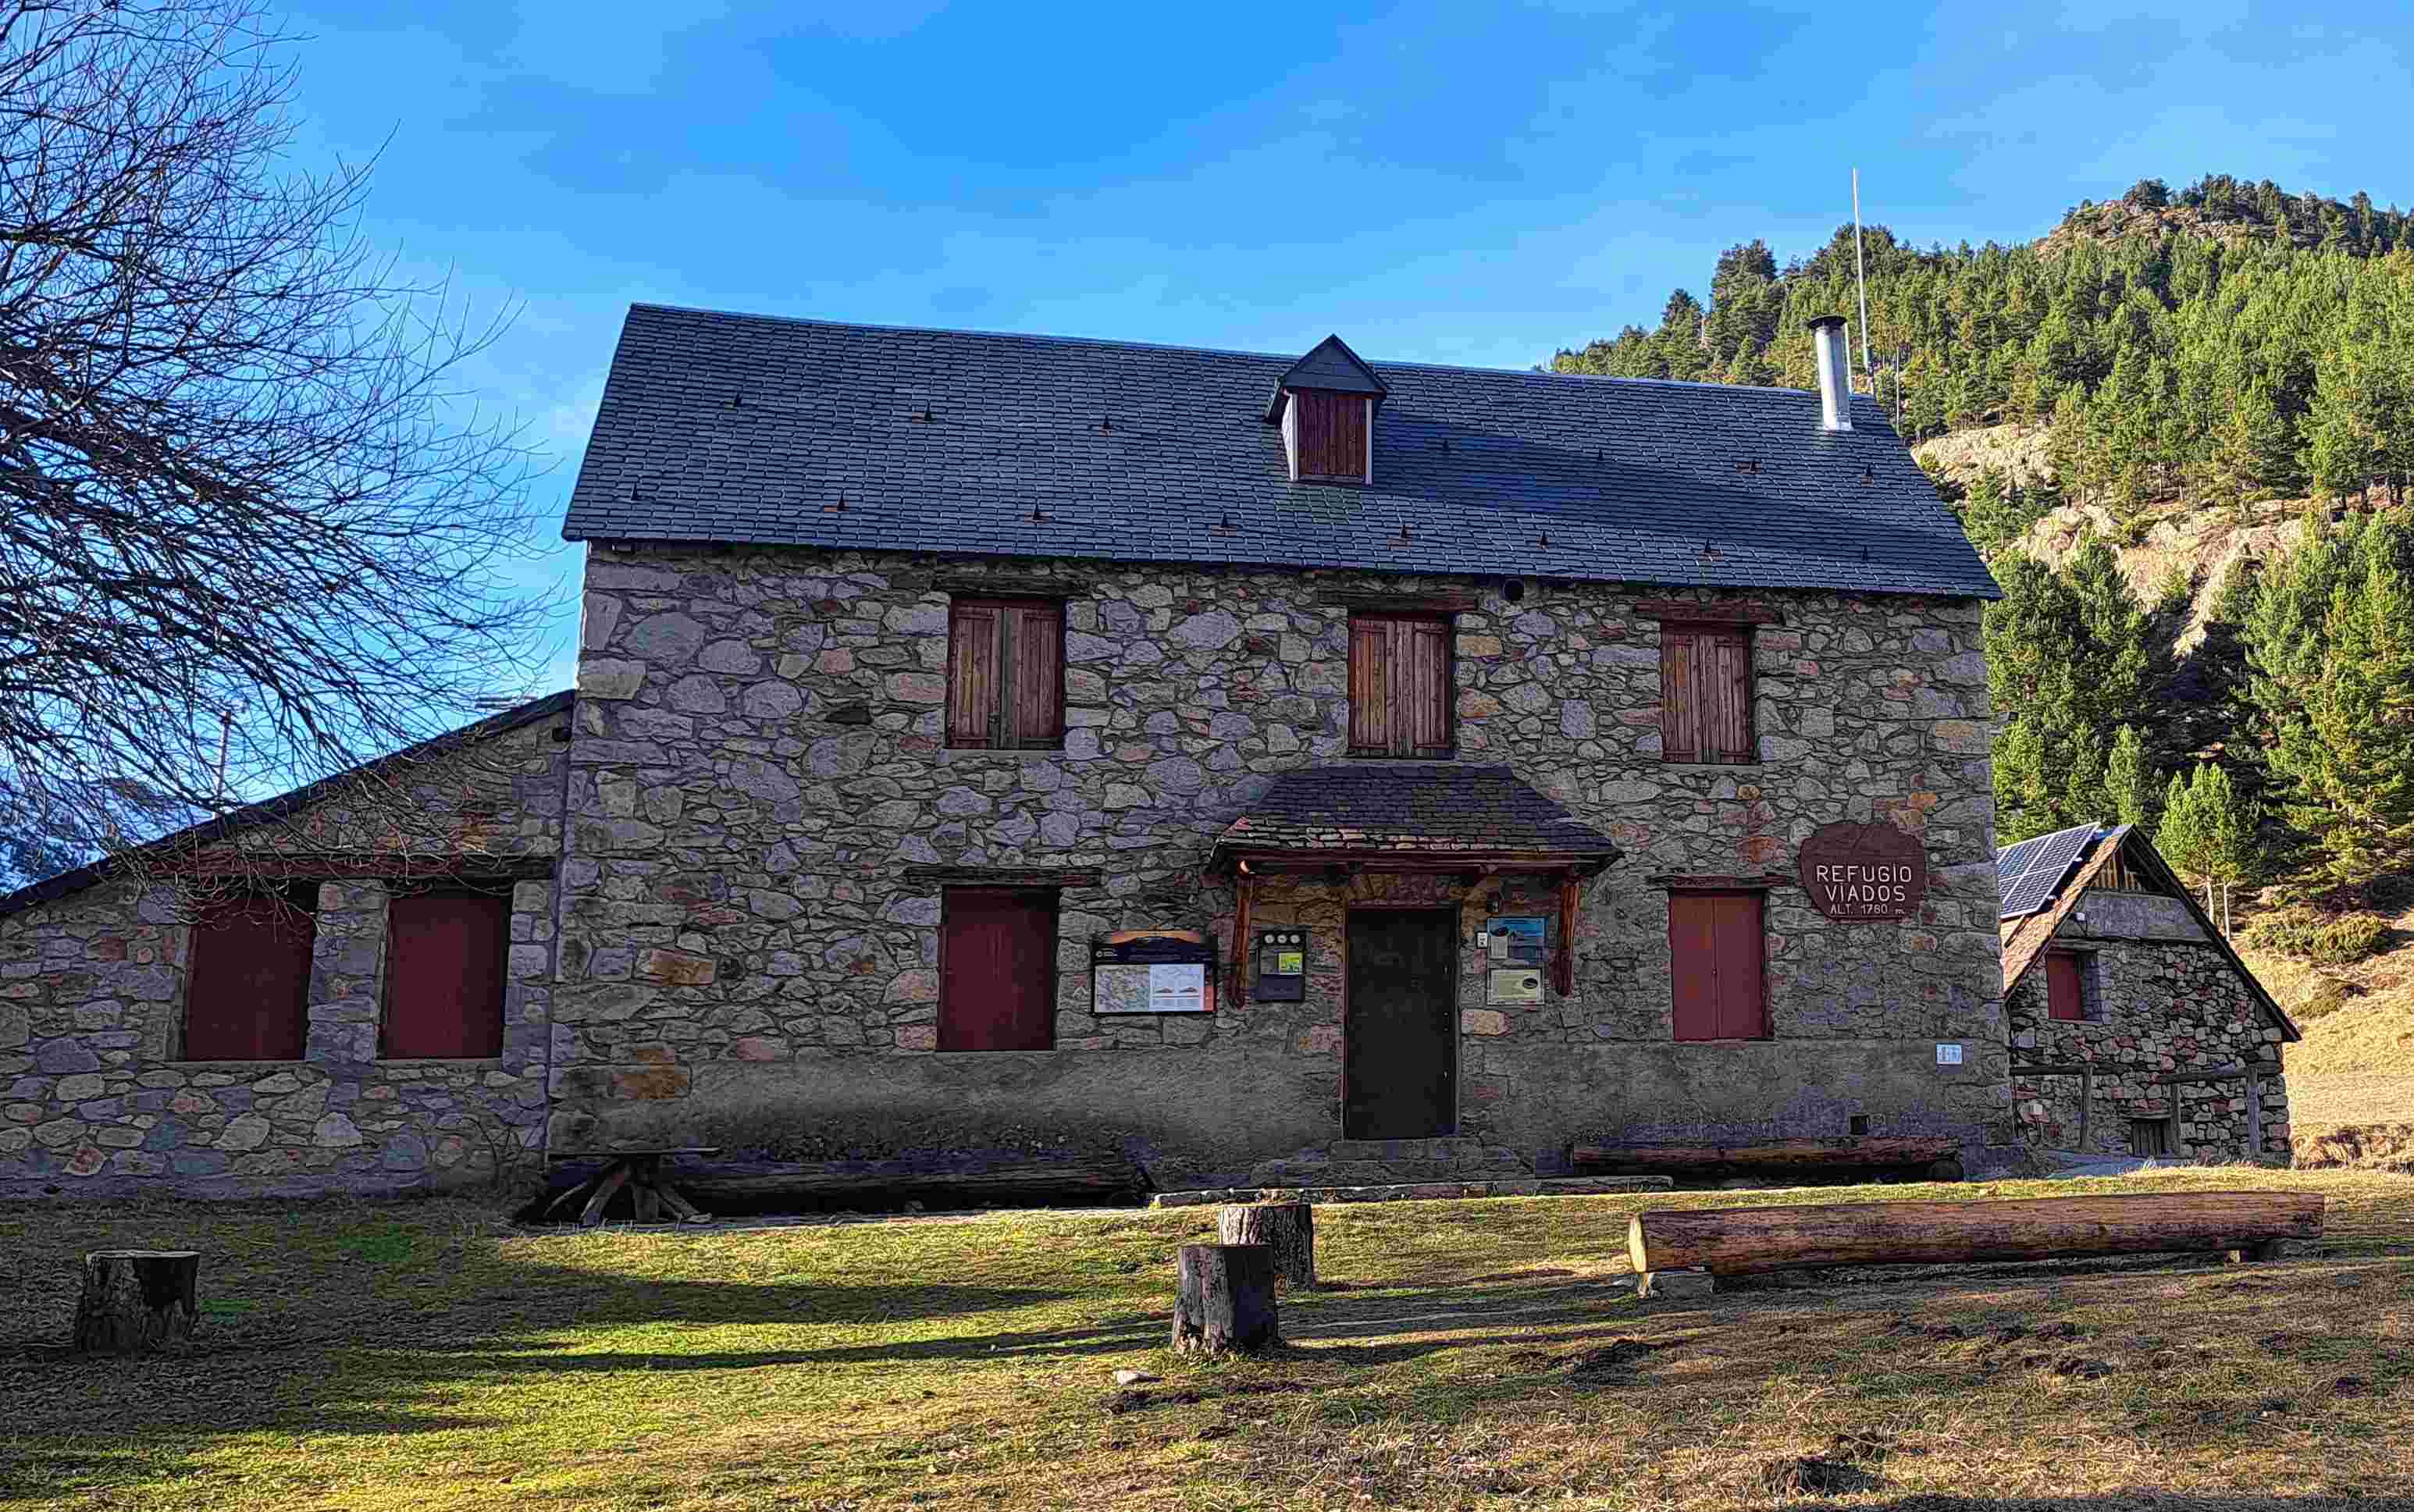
{"points": [[971, 673], [1425, 721], [1681, 709], [1706, 696], [2061, 995], [1370, 685], [248, 983], [444, 975], [1692, 952], [1035, 673], [1726, 659], [1743, 1006], [1399, 685], [997, 970], [1717, 958]]}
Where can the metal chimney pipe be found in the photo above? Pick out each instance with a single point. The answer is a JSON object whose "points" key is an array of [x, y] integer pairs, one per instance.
{"points": [[1835, 373]]}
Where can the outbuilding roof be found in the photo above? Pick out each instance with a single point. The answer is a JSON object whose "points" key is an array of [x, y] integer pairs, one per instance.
{"points": [[251, 815], [750, 429], [1413, 808]]}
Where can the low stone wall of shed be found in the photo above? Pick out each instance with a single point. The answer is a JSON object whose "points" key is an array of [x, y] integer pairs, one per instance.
{"points": [[96, 1102]]}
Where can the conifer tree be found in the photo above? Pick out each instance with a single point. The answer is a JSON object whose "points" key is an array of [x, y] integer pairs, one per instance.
{"points": [[2129, 779], [2208, 831]]}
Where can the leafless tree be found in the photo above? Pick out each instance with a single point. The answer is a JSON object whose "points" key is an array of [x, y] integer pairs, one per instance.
{"points": [[251, 526]]}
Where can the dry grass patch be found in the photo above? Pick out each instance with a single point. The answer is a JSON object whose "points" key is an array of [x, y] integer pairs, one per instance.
{"points": [[1478, 1354]]}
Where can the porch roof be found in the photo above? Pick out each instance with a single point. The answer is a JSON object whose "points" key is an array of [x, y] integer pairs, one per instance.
{"points": [[1410, 812]]}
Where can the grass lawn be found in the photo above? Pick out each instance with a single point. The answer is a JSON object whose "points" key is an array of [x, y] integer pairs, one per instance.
{"points": [[424, 1356]]}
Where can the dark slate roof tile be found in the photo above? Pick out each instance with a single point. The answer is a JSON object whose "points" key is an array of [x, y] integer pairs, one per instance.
{"points": [[739, 429]]}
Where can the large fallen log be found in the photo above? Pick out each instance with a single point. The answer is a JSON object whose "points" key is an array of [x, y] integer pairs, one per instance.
{"points": [[1867, 1150], [1743, 1242], [760, 1182]]}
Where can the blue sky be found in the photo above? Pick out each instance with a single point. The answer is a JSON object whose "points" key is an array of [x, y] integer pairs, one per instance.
{"points": [[1471, 183]]}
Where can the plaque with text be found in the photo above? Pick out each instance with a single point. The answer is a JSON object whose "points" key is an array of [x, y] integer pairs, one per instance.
{"points": [[1862, 873]]}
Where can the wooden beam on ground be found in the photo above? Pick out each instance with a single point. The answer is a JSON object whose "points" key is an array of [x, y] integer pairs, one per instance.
{"points": [[767, 1182], [1867, 1150], [1743, 1242]]}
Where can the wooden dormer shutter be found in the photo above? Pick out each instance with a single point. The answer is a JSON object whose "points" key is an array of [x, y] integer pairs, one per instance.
{"points": [[1328, 436], [1400, 686]]}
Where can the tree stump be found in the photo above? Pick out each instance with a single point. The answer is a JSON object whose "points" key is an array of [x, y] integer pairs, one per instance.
{"points": [[1225, 1302], [135, 1301], [1286, 1228]]}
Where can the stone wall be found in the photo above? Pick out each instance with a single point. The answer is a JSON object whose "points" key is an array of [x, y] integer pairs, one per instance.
{"points": [[757, 763], [94, 1099], [2158, 993]]}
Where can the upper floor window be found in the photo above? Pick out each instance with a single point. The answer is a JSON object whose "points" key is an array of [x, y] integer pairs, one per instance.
{"points": [[1005, 673], [1400, 696], [445, 952], [1706, 694], [247, 976]]}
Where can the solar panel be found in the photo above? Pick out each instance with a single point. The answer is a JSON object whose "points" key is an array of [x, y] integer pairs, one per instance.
{"points": [[2013, 861], [2041, 869]]}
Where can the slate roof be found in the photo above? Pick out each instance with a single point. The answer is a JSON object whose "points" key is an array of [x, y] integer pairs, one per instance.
{"points": [[284, 804], [1437, 808], [732, 428], [2025, 937]]}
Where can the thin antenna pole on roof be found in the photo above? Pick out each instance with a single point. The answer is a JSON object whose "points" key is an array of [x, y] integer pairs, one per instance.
{"points": [[1860, 278]]}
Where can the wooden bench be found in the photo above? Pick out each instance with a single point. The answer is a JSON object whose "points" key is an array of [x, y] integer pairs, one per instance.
{"points": [[641, 1172]]}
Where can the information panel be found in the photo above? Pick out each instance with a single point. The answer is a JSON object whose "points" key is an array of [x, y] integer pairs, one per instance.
{"points": [[1153, 971]]}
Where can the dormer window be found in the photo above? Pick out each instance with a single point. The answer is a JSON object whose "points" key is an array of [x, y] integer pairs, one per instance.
{"points": [[1325, 405]]}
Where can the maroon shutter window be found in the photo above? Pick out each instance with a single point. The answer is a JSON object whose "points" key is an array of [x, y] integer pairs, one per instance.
{"points": [[1715, 954], [2062, 996], [444, 975], [248, 983], [1706, 694], [1006, 673], [997, 970], [1400, 685]]}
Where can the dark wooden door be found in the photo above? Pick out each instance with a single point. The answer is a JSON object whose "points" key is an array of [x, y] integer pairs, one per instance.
{"points": [[997, 970], [1401, 1025], [1717, 959]]}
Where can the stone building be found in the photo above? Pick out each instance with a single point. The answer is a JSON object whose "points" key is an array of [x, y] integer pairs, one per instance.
{"points": [[308, 999], [2135, 1028], [1270, 768]]}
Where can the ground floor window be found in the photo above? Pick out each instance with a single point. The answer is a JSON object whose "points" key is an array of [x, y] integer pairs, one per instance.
{"points": [[2150, 1136], [445, 952], [1717, 960], [247, 977], [997, 968]]}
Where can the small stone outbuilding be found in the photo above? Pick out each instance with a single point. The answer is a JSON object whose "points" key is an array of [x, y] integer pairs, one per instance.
{"points": [[2135, 1028]]}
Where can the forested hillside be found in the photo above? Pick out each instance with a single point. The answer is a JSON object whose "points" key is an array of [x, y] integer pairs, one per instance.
{"points": [[2181, 426]]}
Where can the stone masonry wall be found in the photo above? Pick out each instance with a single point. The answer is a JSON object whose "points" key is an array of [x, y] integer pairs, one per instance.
{"points": [[95, 1100], [757, 764], [2158, 998]]}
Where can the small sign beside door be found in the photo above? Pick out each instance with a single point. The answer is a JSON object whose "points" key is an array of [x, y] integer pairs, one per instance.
{"points": [[1513, 985]]}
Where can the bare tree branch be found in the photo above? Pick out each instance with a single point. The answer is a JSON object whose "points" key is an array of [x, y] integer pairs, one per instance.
{"points": [[250, 528]]}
